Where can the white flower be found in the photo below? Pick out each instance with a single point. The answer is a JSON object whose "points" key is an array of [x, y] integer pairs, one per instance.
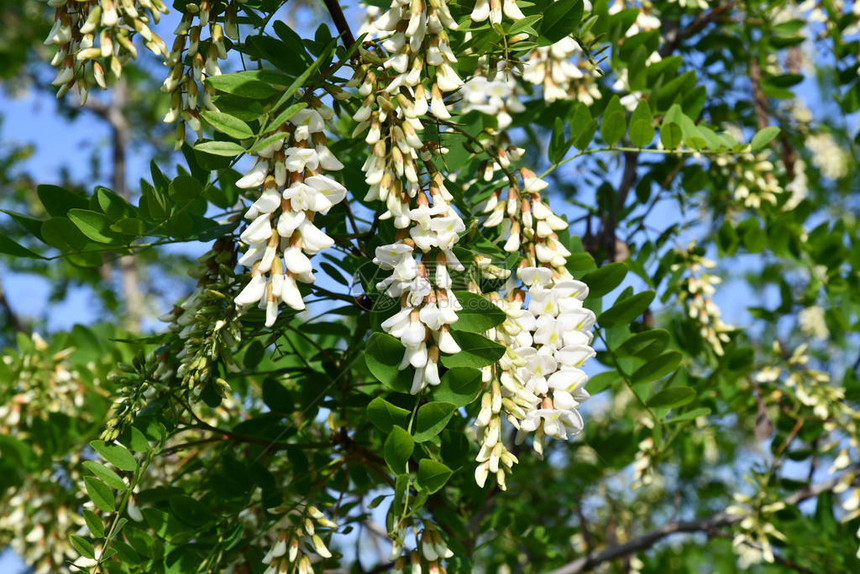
{"points": [[289, 221], [290, 294], [446, 342], [313, 240], [298, 158], [556, 423], [255, 177], [297, 262], [253, 291], [260, 230], [268, 202]]}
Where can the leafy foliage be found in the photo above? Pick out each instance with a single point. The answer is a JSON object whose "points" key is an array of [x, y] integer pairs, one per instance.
{"points": [[396, 322]]}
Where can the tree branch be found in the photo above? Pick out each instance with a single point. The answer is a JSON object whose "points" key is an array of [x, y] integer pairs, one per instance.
{"points": [[340, 22], [708, 525], [674, 37]]}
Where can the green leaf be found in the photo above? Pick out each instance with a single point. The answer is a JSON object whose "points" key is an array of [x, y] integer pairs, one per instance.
{"points": [[383, 354], [115, 454], [12, 248], [251, 84], [558, 146], [311, 71], [671, 135], [688, 416], [110, 477], [189, 510], [603, 280], [583, 140], [129, 226], [386, 416], [560, 20], [113, 205], [763, 137], [94, 523], [657, 368], [614, 122], [626, 310], [692, 136], [184, 189], [644, 345], [478, 315], [154, 205], [672, 397], [227, 124], [219, 148], [580, 122], [431, 419], [459, 386], [754, 237], [58, 200], [92, 224], [580, 262], [100, 494], [476, 351], [83, 546], [602, 381], [641, 130], [432, 475], [397, 450], [32, 225]]}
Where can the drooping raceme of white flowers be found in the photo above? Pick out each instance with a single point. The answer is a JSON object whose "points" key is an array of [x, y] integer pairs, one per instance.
{"points": [[495, 94], [697, 288], [299, 541], [93, 34], [282, 234], [563, 72], [752, 178], [827, 155], [185, 83], [538, 384], [400, 173]]}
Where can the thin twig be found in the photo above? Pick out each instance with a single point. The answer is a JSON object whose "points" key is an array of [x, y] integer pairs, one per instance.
{"points": [[340, 22], [708, 525]]}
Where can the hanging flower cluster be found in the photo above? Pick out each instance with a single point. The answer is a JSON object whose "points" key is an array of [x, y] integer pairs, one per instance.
{"points": [[193, 58], [205, 325], [91, 35], [751, 176], [754, 532], [397, 93], [493, 10], [828, 156], [697, 288], [39, 384], [493, 91], [538, 384], [36, 521], [37, 516], [299, 541], [563, 71], [429, 552], [282, 233]]}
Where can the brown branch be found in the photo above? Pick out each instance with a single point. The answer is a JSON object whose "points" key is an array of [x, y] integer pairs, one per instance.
{"points": [[760, 103], [674, 37], [340, 22], [114, 114], [707, 525]]}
